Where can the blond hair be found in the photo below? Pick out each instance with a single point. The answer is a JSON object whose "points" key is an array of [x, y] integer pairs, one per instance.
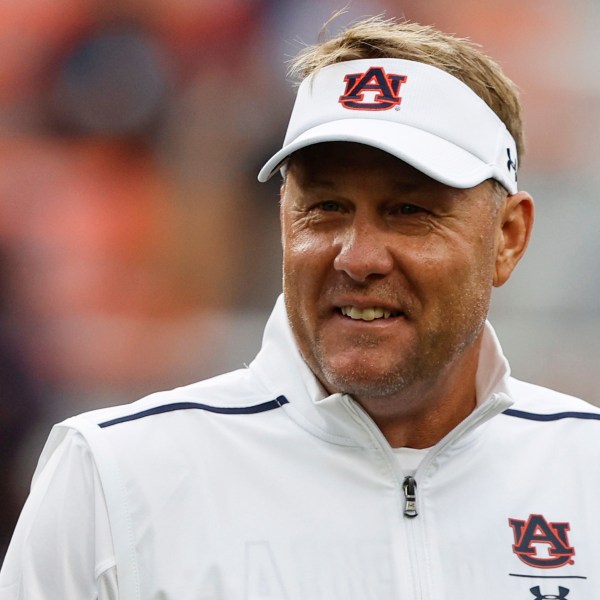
{"points": [[377, 37]]}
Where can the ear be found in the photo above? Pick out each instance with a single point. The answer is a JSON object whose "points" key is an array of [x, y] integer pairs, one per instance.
{"points": [[516, 222]]}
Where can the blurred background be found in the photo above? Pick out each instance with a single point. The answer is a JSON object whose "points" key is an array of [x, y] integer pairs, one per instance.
{"points": [[137, 250]]}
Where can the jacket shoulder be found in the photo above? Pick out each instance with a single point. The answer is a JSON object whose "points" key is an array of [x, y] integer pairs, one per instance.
{"points": [[540, 400], [237, 392]]}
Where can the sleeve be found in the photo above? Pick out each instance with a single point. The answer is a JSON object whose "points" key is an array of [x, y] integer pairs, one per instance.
{"points": [[62, 546]]}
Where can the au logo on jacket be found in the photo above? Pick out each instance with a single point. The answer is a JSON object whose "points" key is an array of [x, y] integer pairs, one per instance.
{"points": [[541, 544], [384, 86]]}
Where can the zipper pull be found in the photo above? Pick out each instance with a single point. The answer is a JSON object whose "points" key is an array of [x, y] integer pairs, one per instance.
{"points": [[410, 494]]}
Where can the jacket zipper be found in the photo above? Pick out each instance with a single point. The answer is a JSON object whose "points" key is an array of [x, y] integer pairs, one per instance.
{"points": [[409, 486], [416, 539]]}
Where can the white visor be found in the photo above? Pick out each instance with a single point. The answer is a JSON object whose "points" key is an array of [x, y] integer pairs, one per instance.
{"points": [[418, 113]]}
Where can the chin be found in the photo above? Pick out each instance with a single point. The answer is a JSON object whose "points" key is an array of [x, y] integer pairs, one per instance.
{"points": [[363, 383]]}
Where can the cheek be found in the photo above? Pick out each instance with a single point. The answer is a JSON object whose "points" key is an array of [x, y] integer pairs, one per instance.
{"points": [[483, 256], [300, 248], [454, 268], [303, 276], [306, 254], [298, 272], [472, 275]]}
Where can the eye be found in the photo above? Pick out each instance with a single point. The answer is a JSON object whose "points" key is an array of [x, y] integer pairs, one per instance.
{"points": [[408, 209], [329, 206]]}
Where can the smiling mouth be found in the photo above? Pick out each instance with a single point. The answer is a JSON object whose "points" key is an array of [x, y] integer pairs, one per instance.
{"points": [[367, 314]]}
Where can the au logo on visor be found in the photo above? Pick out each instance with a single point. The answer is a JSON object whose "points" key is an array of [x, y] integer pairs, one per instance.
{"points": [[373, 90]]}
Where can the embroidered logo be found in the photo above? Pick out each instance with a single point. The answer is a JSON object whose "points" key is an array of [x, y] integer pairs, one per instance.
{"points": [[383, 90], [541, 544], [511, 164], [562, 594]]}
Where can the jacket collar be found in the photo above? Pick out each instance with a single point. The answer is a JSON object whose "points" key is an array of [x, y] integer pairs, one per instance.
{"points": [[281, 368]]}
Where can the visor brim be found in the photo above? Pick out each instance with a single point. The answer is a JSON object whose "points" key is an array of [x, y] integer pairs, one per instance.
{"points": [[436, 157]]}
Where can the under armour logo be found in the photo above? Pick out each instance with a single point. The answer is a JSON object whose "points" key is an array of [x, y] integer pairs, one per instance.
{"points": [[511, 164], [562, 594]]}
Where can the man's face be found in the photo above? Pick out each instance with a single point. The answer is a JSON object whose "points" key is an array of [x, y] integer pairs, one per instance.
{"points": [[387, 273]]}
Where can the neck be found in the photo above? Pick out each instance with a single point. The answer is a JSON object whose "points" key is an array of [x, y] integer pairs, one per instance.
{"points": [[421, 415]]}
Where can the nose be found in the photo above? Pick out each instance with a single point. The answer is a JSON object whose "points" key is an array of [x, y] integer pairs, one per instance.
{"points": [[363, 252]]}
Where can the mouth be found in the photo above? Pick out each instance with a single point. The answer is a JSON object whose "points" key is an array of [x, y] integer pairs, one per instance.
{"points": [[370, 313]]}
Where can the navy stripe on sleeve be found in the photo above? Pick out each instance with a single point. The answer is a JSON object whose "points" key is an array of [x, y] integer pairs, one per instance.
{"points": [[551, 417], [223, 410]]}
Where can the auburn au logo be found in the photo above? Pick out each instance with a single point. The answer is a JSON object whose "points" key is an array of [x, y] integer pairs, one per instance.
{"points": [[383, 89], [542, 544]]}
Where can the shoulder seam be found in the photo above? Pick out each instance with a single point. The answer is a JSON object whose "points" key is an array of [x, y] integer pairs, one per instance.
{"points": [[223, 410], [551, 417]]}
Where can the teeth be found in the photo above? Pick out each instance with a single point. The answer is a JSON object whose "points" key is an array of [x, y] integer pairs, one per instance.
{"points": [[367, 314]]}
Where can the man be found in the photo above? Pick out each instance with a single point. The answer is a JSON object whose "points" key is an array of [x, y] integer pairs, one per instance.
{"points": [[377, 446]]}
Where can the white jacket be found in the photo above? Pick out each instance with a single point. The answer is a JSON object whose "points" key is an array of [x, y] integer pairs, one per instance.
{"points": [[255, 485]]}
